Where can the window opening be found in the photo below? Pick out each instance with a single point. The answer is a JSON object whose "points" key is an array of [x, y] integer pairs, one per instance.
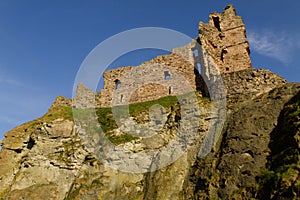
{"points": [[217, 23], [167, 76], [196, 54], [118, 84], [199, 68]]}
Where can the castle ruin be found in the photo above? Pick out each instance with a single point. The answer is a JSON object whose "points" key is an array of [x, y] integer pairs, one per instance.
{"points": [[224, 39], [221, 42]]}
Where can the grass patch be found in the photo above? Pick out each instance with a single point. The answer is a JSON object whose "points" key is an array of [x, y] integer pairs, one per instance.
{"points": [[105, 116], [108, 123], [58, 112], [121, 139], [106, 119], [166, 102]]}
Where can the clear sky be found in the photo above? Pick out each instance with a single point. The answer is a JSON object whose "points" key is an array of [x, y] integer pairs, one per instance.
{"points": [[43, 43]]}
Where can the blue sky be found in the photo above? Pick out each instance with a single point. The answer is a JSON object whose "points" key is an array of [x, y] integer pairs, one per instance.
{"points": [[43, 43]]}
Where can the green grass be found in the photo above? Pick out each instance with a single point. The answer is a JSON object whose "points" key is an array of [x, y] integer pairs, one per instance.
{"points": [[166, 102], [107, 116], [121, 139], [108, 123], [52, 114], [97, 182], [58, 112], [106, 119]]}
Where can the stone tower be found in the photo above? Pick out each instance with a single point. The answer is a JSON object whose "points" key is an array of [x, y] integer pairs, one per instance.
{"points": [[224, 40]]}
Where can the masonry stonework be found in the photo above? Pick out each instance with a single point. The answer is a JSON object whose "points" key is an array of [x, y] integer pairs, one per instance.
{"points": [[162, 76], [111, 82], [224, 38], [220, 51]]}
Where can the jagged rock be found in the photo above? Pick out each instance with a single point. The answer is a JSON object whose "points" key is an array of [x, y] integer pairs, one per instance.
{"points": [[231, 171], [61, 101], [55, 161], [281, 178], [255, 82]]}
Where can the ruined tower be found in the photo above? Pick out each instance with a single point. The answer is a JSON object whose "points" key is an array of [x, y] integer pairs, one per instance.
{"points": [[224, 40]]}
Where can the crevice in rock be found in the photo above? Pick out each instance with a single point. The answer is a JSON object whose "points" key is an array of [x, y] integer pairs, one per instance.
{"points": [[250, 153], [16, 150], [224, 144], [30, 143], [90, 160]]}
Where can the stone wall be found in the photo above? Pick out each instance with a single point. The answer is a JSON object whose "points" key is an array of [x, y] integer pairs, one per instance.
{"points": [[111, 80], [84, 98], [162, 76], [224, 38]]}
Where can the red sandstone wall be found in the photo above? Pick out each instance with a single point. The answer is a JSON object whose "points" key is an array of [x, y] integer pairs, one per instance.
{"points": [[224, 38]]}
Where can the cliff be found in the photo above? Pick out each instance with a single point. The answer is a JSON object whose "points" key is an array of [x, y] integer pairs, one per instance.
{"points": [[76, 152], [257, 155]]}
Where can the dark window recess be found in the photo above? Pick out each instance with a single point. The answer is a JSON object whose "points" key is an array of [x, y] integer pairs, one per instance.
{"points": [[121, 99], [222, 54], [167, 75], [217, 23], [118, 84], [170, 90]]}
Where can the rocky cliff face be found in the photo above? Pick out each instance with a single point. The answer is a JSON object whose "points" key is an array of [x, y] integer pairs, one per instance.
{"points": [[236, 169], [257, 155]]}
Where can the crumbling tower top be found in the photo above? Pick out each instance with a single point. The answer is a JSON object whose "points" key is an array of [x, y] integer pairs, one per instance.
{"points": [[224, 39]]}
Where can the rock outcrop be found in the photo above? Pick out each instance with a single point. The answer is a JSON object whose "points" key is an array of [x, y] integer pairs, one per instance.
{"points": [[46, 158], [233, 169]]}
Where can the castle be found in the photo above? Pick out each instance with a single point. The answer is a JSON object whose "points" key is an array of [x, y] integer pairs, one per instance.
{"points": [[221, 48]]}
